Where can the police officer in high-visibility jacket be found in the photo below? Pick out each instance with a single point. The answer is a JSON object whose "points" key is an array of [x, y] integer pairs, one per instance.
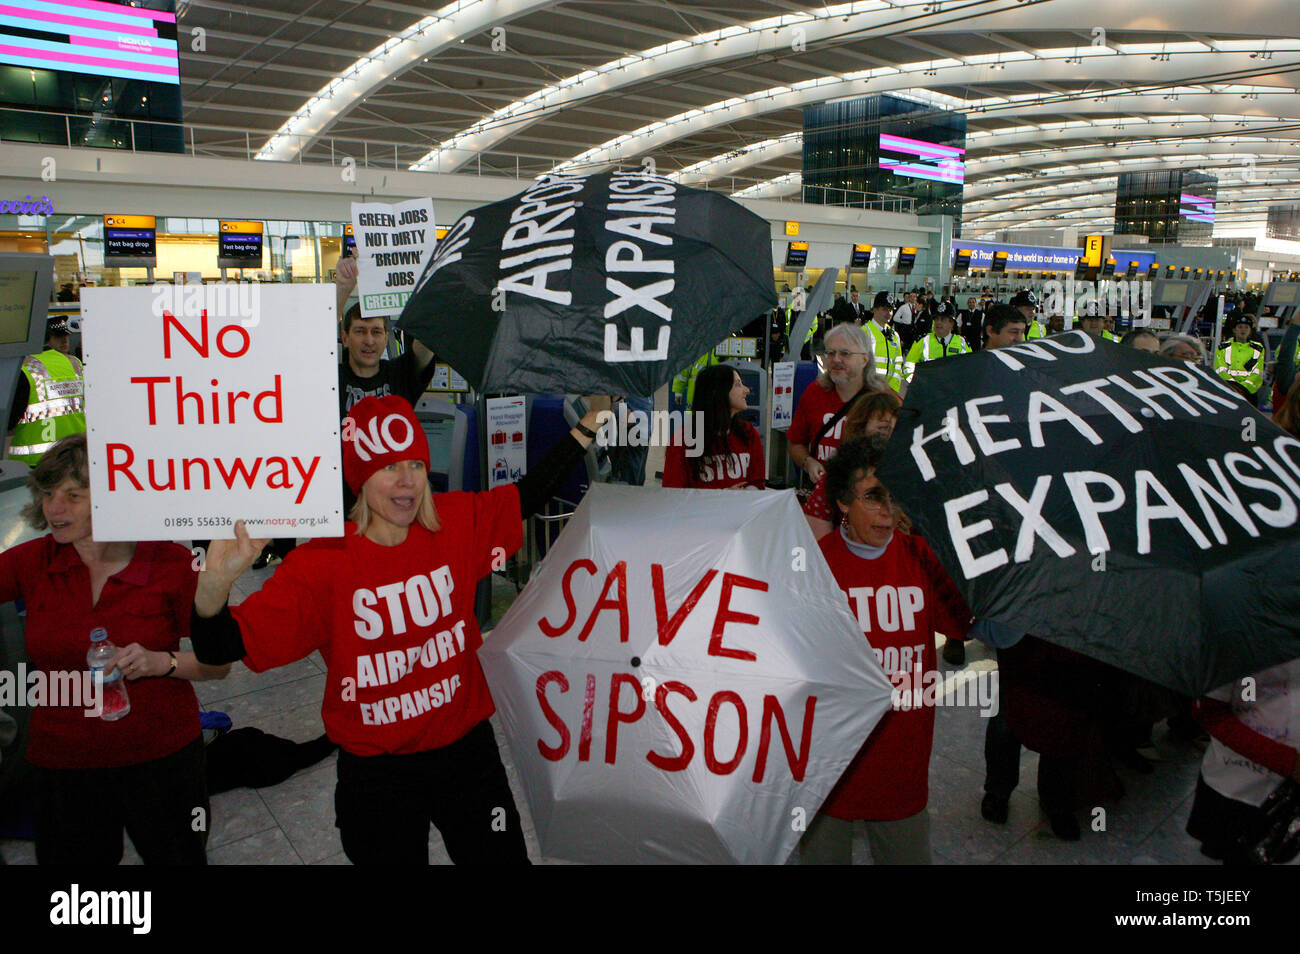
{"points": [[885, 345], [49, 401], [1241, 361], [940, 342], [1027, 303], [683, 395]]}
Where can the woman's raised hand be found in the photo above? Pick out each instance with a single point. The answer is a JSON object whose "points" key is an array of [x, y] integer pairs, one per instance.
{"points": [[228, 559], [225, 562]]}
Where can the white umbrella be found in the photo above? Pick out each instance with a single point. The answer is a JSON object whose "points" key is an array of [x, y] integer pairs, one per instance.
{"points": [[682, 680]]}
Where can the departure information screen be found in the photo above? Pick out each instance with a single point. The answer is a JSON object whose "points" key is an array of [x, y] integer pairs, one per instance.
{"points": [[128, 237], [239, 245]]}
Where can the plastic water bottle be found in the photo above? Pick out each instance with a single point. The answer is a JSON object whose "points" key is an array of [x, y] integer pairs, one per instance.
{"points": [[116, 701]]}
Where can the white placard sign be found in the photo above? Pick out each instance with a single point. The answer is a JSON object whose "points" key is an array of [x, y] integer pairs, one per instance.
{"points": [[782, 395], [207, 404], [394, 240], [507, 446]]}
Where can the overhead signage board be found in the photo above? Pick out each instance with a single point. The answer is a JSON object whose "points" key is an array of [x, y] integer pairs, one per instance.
{"points": [[239, 244], [1043, 257], [130, 241]]}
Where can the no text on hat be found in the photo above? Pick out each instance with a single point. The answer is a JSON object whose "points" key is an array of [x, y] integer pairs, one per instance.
{"points": [[883, 300]]}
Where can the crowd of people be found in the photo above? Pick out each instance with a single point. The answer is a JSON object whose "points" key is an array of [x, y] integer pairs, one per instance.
{"points": [[411, 720], [1083, 717]]}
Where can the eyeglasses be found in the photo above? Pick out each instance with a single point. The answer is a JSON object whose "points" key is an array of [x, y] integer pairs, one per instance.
{"points": [[842, 354], [876, 500]]}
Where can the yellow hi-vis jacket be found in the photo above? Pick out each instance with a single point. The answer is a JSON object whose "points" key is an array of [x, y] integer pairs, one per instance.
{"points": [[684, 382], [930, 347], [55, 405], [888, 353], [1242, 362]]}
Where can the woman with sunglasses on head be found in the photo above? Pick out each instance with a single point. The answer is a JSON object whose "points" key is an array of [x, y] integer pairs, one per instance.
{"points": [[901, 595], [731, 455], [872, 416], [815, 432]]}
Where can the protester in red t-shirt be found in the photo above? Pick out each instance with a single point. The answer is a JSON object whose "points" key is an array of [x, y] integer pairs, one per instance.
{"points": [[142, 773], [849, 370], [901, 596], [873, 415], [732, 451], [390, 606]]}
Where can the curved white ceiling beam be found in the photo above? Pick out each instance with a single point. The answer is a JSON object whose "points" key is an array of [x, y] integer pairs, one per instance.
{"points": [[729, 163], [1086, 191], [1214, 100], [978, 170], [1153, 127], [426, 37], [1236, 199], [1086, 170], [787, 184], [771, 35], [1015, 67], [1086, 174], [1128, 128]]}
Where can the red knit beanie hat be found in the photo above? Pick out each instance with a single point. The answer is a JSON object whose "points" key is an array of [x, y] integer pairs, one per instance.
{"points": [[379, 431]]}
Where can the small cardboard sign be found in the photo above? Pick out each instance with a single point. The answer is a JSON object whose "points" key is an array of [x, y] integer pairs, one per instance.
{"points": [[394, 240]]}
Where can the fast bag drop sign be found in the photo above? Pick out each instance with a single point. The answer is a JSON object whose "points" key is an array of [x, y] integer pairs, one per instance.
{"points": [[672, 689], [207, 404]]}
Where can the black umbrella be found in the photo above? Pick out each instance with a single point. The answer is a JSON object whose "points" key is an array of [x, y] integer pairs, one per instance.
{"points": [[587, 284], [1119, 504]]}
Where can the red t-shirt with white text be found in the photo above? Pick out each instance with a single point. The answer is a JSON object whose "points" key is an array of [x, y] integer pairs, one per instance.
{"points": [[395, 625], [900, 599], [816, 406], [742, 465]]}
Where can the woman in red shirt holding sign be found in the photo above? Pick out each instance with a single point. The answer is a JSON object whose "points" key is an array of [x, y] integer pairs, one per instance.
{"points": [[901, 596], [732, 451], [390, 605]]}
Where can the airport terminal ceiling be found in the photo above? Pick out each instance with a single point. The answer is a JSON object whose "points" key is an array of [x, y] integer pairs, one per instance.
{"points": [[1061, 95], [715, 92]]}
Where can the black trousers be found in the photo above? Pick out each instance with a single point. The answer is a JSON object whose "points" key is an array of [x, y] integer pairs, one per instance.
{"points": [[906, 336], [162, 804], [1056, 776], [385, 804], [1219, 822]]}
